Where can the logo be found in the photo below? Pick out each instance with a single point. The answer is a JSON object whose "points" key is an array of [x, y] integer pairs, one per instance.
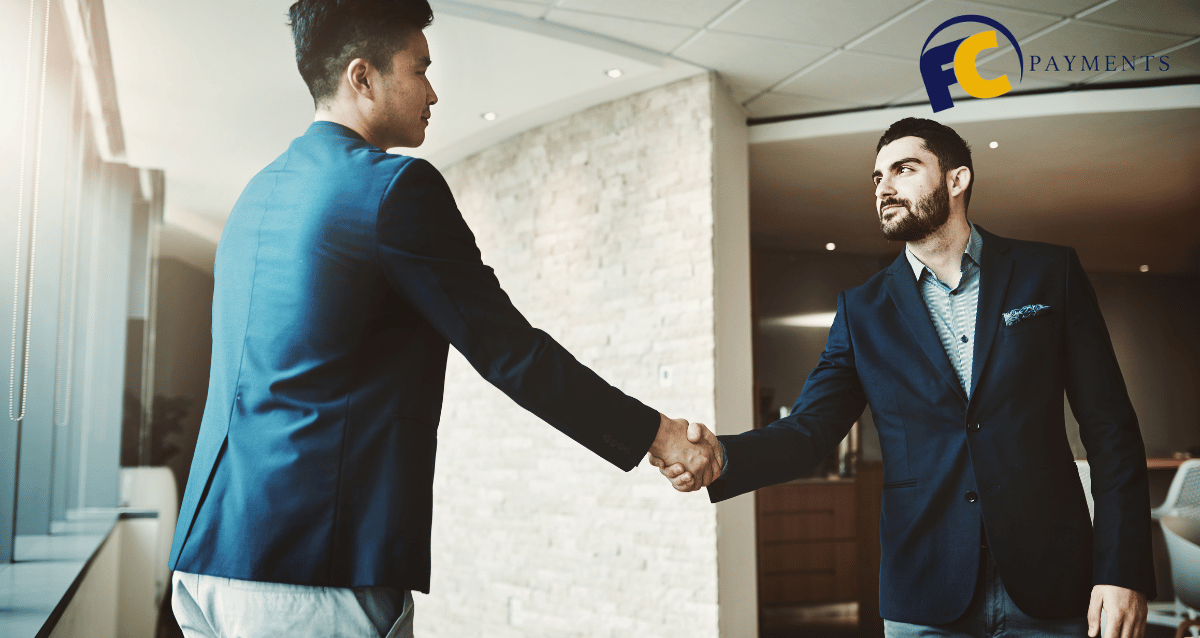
{"points": [[962, 55]]}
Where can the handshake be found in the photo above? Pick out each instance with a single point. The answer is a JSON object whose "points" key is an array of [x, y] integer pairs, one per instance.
{"points": [[688, 454]]}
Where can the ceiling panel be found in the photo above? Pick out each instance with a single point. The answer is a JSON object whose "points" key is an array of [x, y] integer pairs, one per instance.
{"points": [[1186, 60], [1057, 7], [826, 23], [652, 35], [778, 104], [1171, 16], [527, 9], [692, 13], [747, 61], [905, 38], [1087, 39], [857, 77]]}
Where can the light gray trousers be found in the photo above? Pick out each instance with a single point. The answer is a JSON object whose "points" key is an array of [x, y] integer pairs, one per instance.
{"points": [[213, 607]]}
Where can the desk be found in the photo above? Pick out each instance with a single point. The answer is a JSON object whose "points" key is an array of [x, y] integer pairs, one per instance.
{"points": [[1164, 462]]}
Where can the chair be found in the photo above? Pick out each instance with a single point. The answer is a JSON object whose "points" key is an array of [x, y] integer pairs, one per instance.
{"points": [[1183, 547], [1183, 497]]}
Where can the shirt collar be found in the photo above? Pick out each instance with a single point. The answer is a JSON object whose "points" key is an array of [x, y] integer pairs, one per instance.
{"points": [[973, 251]]}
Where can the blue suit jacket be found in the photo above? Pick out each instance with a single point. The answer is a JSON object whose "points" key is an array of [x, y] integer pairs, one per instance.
{"points": [[342, 275], [1007, 444]]}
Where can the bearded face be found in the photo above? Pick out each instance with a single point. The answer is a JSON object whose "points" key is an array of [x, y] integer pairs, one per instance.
{"points": [[911, 223]]}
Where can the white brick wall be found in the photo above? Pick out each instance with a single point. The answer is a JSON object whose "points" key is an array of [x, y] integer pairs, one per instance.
{"points": [[600, 227]]}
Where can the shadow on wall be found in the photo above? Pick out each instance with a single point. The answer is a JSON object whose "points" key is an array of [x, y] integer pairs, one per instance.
{"points": [[164, 424], [181, 362]]}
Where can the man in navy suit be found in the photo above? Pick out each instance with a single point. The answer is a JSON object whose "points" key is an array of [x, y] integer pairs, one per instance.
{"points": [[963, 349], [343, 275]]}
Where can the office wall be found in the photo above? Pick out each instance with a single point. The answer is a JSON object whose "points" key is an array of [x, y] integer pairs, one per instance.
{"points": [[183, 351], [600, 227], [789, 283], [1152, 320]]}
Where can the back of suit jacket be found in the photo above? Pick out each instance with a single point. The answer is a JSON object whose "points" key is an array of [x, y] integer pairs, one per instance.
{"points": [[342, 275]]}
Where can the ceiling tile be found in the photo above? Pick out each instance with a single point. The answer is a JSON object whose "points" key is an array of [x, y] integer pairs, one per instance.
{"points": [[777, 104], [1087, 39], [652, 35], [826, 23], [1057, 7], [857, 77], [905, 38], [1185, 60], [692, 13], [747, 61], [527, 9], [1171, 16]]}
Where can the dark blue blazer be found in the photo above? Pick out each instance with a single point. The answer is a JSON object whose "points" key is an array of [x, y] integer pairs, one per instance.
{"points": [[342, 275], [1003, 455]]}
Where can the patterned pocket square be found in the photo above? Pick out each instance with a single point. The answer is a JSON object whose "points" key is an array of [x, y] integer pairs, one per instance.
{"points": [[1012, 317]]}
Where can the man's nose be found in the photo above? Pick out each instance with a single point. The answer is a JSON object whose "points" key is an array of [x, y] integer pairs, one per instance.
{"points": [[431, 96], [884, 189]]}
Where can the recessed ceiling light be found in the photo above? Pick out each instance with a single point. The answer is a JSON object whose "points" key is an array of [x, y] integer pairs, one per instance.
{"points": [[994, 145], [614, 73], [489, 116], [830, 246], [1144, 268]]}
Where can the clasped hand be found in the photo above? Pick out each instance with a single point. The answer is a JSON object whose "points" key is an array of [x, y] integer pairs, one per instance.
{"points": [[686, 453]]}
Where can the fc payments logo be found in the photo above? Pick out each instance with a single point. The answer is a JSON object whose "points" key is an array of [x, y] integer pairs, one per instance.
{"points": [[962, 55]]}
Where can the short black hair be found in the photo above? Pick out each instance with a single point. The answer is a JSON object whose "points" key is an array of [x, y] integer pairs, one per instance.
{"points": [[331, 33], [950, 149]]}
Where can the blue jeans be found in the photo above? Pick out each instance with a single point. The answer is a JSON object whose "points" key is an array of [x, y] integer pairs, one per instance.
{"points": [[212, 607], [991, 614]]}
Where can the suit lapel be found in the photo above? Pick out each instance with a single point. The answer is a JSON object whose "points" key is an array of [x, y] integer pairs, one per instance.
{"points": [[994, 273], [902, 288]]}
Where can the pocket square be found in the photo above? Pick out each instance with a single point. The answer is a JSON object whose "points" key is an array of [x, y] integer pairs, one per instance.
{"points": [[1012, 317]]}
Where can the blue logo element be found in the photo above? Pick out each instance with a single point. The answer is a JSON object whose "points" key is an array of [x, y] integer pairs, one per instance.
{"points": [[962, 54]]}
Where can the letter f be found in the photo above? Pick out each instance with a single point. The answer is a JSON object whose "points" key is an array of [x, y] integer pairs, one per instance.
{"points": [[938, 80]]}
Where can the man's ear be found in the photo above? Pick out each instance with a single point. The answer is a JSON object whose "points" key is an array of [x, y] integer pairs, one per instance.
{"points": [[958, 180], [358, 74]]}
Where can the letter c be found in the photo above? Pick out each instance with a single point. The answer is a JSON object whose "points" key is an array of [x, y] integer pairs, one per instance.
{"points": [[968, 74]]}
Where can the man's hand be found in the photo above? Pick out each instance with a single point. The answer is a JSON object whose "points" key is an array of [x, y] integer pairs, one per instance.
{"points": [[680, 476], [1125, 609], [694, 461]]}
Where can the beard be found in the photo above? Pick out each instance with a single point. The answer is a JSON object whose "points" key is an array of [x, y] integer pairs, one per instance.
{"points": [[930, 214]]}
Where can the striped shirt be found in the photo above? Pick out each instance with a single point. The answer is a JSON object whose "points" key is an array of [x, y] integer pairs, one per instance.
{"points": [[953, 311]]}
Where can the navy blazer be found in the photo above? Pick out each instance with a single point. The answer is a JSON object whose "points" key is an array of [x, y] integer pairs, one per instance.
{"points": [[342, 275], [1003, 455]]}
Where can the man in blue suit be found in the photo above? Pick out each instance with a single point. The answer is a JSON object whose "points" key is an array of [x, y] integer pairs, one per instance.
{"points": [[963, 349], [342, 276]]}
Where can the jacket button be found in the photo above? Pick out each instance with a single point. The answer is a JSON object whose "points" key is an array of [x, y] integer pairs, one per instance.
{"points": [[974, 427], [971, 497]]}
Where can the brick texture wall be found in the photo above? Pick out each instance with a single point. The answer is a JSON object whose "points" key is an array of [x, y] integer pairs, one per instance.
{"points": [[600, 228]]}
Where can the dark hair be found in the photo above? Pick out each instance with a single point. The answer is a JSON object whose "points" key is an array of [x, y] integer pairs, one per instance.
{"points": [[331, 33], [951, 150]]}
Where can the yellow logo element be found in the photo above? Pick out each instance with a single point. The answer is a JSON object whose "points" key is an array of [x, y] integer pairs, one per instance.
{"points": [[967, 73]]}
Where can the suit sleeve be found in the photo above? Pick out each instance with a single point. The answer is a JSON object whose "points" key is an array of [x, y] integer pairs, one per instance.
{"points": [[1108, 427], [430, 258], [793, 446]]}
